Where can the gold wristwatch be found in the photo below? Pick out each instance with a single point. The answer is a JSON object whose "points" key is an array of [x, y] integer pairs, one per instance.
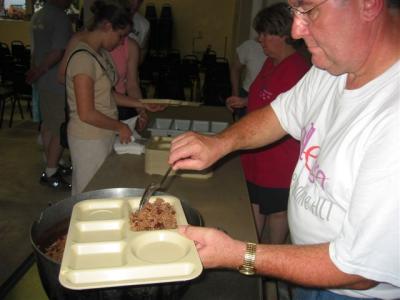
{"points": [[249, 260]]}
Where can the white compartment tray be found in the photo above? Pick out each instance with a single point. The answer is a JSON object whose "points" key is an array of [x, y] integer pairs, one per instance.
{"points": [[102, 251], [174, 127]]}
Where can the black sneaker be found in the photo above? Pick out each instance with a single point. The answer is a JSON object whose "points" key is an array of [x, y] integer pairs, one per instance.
{"points": [[55, 181], [65, 170]]}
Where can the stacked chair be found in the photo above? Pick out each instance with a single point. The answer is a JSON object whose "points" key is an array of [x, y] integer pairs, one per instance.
{"points": [[165, 25], [170, 74], [21, 53], [13, 66], [160, 28], [169, 83], [151, 16], [217, 86], [191, 74]]}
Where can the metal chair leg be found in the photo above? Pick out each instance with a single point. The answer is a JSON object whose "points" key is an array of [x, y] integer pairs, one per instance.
{"points": [[2, 104], [15, 101]]}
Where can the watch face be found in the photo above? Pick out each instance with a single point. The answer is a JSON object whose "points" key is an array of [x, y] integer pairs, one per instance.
{"points": [[247, 270]]}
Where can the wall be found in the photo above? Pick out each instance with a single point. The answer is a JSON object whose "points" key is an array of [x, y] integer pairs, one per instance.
{"points": [[14, 30], [197, 24], [245, 12], [201, 23]]}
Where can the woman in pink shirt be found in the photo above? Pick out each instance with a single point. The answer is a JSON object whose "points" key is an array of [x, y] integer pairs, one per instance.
{"points": [[268, 170]]}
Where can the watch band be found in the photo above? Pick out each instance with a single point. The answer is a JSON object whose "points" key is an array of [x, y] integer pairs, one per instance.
{"points": [[249, 260]]}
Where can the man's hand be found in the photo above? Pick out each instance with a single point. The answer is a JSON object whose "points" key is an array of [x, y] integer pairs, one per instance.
{"points": [[235, 102], [194, 151], [34, 74], [216, 249]]}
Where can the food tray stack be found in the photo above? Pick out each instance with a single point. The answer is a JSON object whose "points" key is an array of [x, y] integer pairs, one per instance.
{"points": [[102, 251], [174, 127]]}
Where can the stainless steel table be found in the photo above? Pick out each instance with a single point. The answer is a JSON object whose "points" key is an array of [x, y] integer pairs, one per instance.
{"points": [[222, 201]]}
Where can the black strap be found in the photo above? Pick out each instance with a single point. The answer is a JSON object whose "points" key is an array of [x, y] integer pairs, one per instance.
{"points": [[66, 107]]}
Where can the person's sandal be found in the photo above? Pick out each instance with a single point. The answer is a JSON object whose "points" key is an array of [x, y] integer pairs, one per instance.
{"points": [[65, 170], [54, 181]]}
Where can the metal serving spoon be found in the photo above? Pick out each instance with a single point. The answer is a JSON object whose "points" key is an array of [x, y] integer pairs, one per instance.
{"points": [[151, 188]]}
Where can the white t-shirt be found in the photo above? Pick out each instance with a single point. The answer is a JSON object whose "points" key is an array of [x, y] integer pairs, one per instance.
{"points": [[250, 54], [141, 30], [346, 186]]}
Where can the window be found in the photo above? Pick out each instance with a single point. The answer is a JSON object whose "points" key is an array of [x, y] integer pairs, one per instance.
{"points": [[14, 9], [17, 3]]}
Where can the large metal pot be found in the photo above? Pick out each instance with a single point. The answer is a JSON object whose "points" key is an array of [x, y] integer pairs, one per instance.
{"points": [[53, 223]]}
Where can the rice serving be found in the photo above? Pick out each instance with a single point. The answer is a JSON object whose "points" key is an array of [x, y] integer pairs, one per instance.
{"points": [[154, 216]]}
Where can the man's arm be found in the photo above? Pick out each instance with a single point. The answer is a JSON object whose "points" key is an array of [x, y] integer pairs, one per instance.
{"points": [[308, 265], [197, 152], [84, 91], [52, 58]]}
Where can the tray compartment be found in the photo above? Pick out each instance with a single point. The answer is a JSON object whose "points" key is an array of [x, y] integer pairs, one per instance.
{"points": [[160, 246], [200, 126], [99, 231], [217, 127], [94, 210], [180, 214], [160, 127], [179, 126], [98, 255]]}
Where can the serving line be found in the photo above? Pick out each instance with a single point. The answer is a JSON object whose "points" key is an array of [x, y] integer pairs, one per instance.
{"points": [[222, 201]]}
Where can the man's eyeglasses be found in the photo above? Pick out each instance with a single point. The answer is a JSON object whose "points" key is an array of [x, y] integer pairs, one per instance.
{"points": [[306, 12]]}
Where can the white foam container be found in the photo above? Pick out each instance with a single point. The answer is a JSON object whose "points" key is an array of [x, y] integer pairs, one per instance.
{"points": [[102, 251], [156, 160]]}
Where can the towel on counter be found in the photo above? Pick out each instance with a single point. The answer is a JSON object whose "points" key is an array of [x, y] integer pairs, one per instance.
{"points": [[134, 147]]}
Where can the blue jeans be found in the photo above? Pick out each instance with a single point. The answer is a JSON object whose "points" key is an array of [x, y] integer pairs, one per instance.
{"points": [[316, 294]]}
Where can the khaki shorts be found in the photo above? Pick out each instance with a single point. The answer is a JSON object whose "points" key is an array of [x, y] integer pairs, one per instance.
{"points": [[52, 110]]}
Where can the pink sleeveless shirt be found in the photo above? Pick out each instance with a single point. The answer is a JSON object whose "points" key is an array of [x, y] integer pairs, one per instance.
{"points": [[120, 58]]}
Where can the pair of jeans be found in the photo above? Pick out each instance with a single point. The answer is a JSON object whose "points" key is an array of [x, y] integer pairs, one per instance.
{"points": [[319, 294]]}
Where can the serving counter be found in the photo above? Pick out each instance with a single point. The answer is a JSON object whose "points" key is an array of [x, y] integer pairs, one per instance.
{"points": [[221, 200]]}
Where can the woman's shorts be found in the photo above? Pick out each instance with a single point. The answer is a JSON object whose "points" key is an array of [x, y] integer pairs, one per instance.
{"points": [[270, 200]]}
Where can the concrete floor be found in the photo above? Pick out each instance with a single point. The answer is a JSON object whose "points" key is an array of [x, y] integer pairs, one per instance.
{"points": [[22, 198]]}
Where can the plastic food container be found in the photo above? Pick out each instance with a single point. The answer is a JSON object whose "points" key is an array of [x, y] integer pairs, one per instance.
{"points": [[156, 159], [102, 251]]}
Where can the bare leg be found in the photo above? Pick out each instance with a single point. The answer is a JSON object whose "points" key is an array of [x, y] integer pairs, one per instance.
{"points": [[276, 227], [46, 136], [51, 147], [259, 220], [54, 152]]}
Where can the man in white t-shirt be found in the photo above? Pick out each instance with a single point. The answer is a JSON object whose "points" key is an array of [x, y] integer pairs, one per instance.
{"points": [[344, 206], [141, 27]]}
